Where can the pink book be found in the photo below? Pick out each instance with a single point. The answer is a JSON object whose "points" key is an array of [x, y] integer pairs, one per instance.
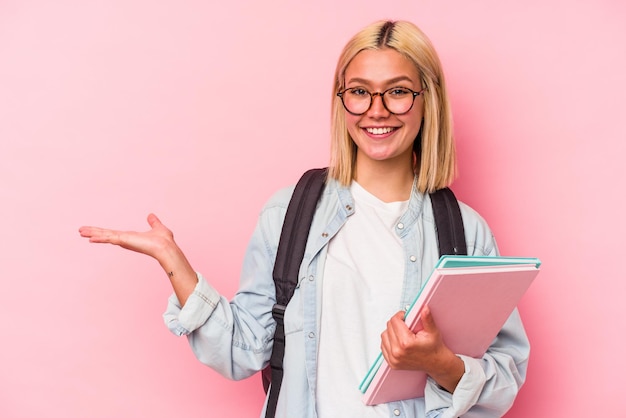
{"points": [[470, 299]]}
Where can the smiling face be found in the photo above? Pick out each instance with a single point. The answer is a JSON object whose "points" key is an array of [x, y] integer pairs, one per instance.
{"points": [[380, 136]]}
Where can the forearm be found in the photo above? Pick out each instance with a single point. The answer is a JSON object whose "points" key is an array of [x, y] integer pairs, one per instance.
{"points": [[182, 276]]}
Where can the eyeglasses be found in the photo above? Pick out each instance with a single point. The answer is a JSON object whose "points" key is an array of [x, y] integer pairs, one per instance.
{"points": [[397, 100]]}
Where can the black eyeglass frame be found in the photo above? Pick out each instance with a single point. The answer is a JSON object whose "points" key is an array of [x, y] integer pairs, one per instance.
{"points": [[382, 98]]}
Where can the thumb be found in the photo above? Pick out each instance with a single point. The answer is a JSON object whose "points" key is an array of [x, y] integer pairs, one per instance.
{"points": [[153, 221], [427, 320]]}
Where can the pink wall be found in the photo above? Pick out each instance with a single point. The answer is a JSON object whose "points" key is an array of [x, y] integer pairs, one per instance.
{"points": [[114, 109]]}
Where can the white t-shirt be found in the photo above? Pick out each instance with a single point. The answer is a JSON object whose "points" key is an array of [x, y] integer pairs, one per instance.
{"points": [[363, 278]]}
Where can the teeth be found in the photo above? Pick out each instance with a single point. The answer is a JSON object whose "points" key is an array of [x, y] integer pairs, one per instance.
{"points": [[379, 131]]}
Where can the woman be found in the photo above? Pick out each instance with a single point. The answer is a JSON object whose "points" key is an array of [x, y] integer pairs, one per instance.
{"points": [[371, 246]]}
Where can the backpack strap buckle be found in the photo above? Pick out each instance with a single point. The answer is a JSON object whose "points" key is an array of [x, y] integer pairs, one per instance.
{"points": [[278, 312]]}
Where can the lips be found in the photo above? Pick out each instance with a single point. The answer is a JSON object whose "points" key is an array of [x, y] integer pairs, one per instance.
{"points": [[380, 131]]}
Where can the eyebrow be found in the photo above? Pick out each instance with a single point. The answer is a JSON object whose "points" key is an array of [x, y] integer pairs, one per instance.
{"points": [[391, 81]]}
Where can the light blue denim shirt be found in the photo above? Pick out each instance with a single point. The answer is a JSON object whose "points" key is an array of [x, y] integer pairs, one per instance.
{"points": [[235, 338]]}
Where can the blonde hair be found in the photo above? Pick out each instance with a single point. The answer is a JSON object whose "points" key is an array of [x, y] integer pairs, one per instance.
{"points": [[434, 145]]}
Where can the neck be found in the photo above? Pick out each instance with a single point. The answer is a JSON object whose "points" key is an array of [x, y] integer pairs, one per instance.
{"points": [[388, 182]]}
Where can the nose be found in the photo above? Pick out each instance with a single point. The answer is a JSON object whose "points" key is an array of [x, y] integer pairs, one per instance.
{"points": [[377, 109]]}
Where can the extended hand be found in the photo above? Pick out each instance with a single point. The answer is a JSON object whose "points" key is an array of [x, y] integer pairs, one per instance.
{"points": [[158, 243], [153, 242], [424, 350]]}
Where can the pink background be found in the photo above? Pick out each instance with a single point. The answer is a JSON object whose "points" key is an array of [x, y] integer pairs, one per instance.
{"points": [[198, 112]]}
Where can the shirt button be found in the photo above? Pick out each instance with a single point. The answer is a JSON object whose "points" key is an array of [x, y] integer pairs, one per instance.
{"points": [[311, 278], [324, 234], [400, 225], [311, 335], [413, 258], [348, 207], [396, 412]]}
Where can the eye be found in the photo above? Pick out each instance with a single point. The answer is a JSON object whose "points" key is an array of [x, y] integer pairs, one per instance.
{"points": [[358, 92], [398, 91]]}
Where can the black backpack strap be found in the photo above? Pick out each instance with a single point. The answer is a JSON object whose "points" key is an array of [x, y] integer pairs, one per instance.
{"points": [[448, 222], [290, 253]]}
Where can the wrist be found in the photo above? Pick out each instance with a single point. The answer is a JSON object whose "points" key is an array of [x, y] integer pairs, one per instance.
{"points": [[168, 254], [449, 371]]}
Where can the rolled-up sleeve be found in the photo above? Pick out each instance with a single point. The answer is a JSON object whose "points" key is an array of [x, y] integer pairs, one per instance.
{"points": [[200, 304], [490, 384]]}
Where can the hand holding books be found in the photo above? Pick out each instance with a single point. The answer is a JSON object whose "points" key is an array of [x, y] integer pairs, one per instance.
{"points": [[404, 349]]}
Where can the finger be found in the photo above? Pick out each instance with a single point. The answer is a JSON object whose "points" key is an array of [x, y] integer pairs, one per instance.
{"points": [[153, 220], [388, 336], [394, 322], [99, 235], [89, 231], [106, 236], [386, 345], [398, 325], [395, 338], [427, 320], [397, 330], [384, 339], [84, 231]]}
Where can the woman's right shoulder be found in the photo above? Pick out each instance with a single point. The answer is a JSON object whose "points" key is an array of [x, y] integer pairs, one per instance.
{"points": [[279, 200], [276, 206], [271, 217]]}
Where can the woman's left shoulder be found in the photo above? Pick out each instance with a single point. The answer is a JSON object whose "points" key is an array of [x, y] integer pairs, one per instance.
{"points": [[478, 235], [471, 216]]}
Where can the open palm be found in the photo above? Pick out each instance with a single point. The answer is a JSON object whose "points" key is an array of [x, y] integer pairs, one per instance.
{"points": [[152, 242]]}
